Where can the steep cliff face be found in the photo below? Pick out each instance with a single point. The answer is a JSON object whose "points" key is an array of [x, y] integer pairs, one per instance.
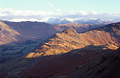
{"points": [[69, 40]]}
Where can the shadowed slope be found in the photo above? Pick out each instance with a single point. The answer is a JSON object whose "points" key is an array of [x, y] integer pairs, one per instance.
{"points": [[105, 67], [53, 66]]}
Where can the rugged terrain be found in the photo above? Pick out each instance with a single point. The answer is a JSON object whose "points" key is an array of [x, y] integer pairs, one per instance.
{"points": [[78, 27], [65, 52], [31, 30], [61, 54], [105, 67], [69, 40], [22, 31]]}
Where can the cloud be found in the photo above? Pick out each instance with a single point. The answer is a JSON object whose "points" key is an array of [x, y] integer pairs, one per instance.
{"points": [[59, 10], [27, 15], [8, 12], [46, 19], [24, 15], [19, 20]]}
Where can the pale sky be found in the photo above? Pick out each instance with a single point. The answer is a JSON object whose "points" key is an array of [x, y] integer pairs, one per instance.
{"points": [[62, 5], [44, 9]]}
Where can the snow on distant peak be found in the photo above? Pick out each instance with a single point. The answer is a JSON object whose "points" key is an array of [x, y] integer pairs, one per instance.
{"points": [[56, 17]]}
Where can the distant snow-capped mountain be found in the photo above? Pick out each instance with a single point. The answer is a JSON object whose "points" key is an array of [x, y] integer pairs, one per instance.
{"points": [[75, 20]]}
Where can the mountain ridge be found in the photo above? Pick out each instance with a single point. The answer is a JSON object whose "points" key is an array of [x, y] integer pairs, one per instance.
{"points": [[28, 30], [22, 31], [64, 42]]}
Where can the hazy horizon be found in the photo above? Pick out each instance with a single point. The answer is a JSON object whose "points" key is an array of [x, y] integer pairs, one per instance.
{"points": [[42, 10]]}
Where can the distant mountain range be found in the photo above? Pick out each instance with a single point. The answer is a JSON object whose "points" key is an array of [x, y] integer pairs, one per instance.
{"points": [[77, 20], [23, 31]]}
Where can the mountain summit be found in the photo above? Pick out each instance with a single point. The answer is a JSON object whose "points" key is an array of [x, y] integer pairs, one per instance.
{"points": [[69, 40], [69, 30]]}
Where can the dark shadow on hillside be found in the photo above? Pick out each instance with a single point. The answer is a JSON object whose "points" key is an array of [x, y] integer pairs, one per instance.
{"points": [[12, 55], [105, 67], [51, 66], [15, 50], [63, 63], [89, 48]]}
